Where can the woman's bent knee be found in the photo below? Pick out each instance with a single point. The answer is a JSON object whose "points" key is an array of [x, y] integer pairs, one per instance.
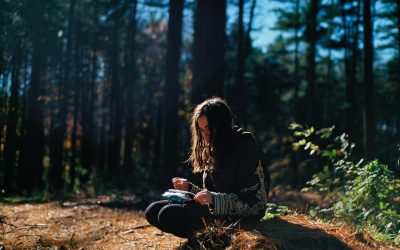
{"points": [[176, 220], [153, 210]]}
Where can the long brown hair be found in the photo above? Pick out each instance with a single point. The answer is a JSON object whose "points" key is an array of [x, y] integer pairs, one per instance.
{"points": [[220, 123]]}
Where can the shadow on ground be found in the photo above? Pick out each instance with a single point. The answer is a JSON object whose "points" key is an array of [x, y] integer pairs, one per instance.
{"points": [[287, 235], [287, 232]]}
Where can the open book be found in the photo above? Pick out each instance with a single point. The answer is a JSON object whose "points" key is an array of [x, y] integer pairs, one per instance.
{"points": [[178, 195]]}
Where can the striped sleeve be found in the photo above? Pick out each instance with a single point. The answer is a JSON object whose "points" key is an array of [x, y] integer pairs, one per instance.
{"points": [[220, 203], [251, 195], [233, 204]]}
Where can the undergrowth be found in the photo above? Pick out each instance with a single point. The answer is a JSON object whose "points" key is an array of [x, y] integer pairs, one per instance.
{"points": [[273, 210], [364, 194]]}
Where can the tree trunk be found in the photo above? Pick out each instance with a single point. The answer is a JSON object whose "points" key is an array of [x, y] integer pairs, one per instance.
{"points": [[368, 79], [114, 149], [172, 89], [398, 64], [74, 138], [296, 52], [246, 54], [249, 27], [59, 127], [1, 59], [351, 89], [351, 34], [130, 83], [11, 143], [88, 99], [24, 101], [312, 113], [327, 90], [156, 147], [208, 50], [2, 45], [31, 170], [79, 84], [239, 93]]}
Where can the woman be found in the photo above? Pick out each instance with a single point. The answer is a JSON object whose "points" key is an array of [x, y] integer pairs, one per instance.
{"points": [[233, 176]]}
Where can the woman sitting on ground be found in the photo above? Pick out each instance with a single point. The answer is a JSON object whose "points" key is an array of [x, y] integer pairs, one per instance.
{"points": [[233, 177]]}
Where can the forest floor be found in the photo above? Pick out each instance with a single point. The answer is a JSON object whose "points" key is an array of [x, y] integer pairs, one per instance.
{"points": [[88, 224], [82, 225]]}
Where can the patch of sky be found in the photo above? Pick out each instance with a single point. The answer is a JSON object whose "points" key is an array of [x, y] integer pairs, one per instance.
{"points": [[265, 18]]}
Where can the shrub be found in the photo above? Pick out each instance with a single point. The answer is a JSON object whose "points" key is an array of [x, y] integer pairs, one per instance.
{"points": [[364, 193]]}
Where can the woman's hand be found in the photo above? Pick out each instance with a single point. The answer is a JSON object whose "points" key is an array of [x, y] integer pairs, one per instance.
{"points": [[180, 183], [204, 197]]}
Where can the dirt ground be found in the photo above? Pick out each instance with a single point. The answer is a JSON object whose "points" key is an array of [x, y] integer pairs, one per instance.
{"points": [[51, 226], [90, 225]]}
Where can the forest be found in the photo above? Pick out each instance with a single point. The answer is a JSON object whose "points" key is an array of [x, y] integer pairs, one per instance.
{"points": [[96, 98]]}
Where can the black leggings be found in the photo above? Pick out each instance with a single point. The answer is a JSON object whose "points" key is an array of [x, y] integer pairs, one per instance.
{"points": [[178, 219]]}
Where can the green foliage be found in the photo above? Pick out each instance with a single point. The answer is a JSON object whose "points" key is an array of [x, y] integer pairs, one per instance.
{"points": [[364, 193], [81, 171], [274, 210], [369, 198], [34, 197], [335, 154]]}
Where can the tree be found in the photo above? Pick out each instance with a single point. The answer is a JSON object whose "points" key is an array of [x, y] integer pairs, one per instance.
{"points": [[296, 48], [59, 126], [239, 93], [88, 102], [172, 88], [368, 78], [130, 74], [311, 37], [79, 84], [208, 50], [292, 20], [398, 40], [398, 61], [115, 126], [350, 13], [30, 173], [11, 143]]}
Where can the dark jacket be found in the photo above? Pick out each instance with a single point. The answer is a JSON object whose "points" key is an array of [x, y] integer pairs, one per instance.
{"points": [[237, 186]]}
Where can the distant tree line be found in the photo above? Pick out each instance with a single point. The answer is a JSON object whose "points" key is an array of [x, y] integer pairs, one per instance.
{"points": [[97, 92]]}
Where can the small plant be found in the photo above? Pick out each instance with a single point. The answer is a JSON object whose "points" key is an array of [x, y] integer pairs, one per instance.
{"points": [[368, 198], [334, 153], [274, 210], [364, 192]]}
